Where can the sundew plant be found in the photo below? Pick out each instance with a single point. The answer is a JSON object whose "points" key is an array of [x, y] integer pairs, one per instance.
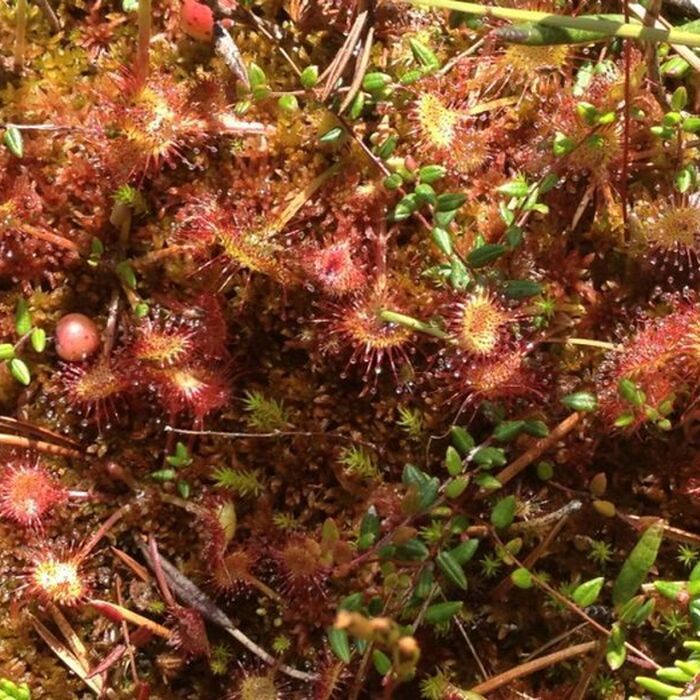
{"points": [[349, 349]]}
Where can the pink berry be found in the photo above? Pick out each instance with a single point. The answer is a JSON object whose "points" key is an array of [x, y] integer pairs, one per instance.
{"points": [[77, 338]]}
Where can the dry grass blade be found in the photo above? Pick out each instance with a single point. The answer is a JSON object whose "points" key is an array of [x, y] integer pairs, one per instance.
{"points": [[29, 430], [337, 66], [66, 656], [359, 71], [74, 642]]}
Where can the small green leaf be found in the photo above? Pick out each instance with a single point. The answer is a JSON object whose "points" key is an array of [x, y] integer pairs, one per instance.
{"points": [[442, 612], [256, 76], [669, 589], [387, 148], [545, 470], [637, 565], [659, 688], [413, 550], [616, 652], [508, 430], [38, 339], [393, 181], [442, 240], [536, 428], [486, 254], [522, 289], [489, 457], [352, 602], [309, 77], [691, 124], [373, 82], [357, 106], [503, 512], [675, 67], [163, 474], [411, 76], [425, 194], [431, 173], [462, 440], [514, 188], [562, 145], [456, 487], [12, 138], [13, 691], [369, 529], [7, 351], [464, 551], [141, 309], [450, 201], [587, 593], [20, 371], [331, 135], [452, 570], [184, 489], [126, 274], [522, 578], [424, 55], [679, 99], [580, 401], [381, 662], [288, 103], [487, 482], [453, 461], [23, 319], [405, 208], [340, 644]]}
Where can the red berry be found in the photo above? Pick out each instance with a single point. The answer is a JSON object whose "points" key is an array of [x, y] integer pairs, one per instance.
{"points": [[77, 338]]}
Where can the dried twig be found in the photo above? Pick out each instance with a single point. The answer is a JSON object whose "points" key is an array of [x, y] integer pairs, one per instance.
{"points": [[541, 446], [194, 597], [530, 667]]}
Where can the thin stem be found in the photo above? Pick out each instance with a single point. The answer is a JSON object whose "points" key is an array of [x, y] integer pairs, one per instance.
{"points": [[413, 323], [144, 39], [606, 27], [604, 344], [101, 532], [20, 33]]}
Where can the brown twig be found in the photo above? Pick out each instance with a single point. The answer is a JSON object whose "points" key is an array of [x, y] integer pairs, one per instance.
{"points": [[38, 445], [530, 667], [539, 448]]}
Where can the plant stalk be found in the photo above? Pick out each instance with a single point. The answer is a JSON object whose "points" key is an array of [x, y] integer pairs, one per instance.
{"points": [[20, 33], [413, 323], [591, 24]]}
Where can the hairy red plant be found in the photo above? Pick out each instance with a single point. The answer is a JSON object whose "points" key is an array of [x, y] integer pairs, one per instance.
{"points": [[28, 492], [93, 391], [372, 341], [56, 577], [189, 389], [335, 267]]}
